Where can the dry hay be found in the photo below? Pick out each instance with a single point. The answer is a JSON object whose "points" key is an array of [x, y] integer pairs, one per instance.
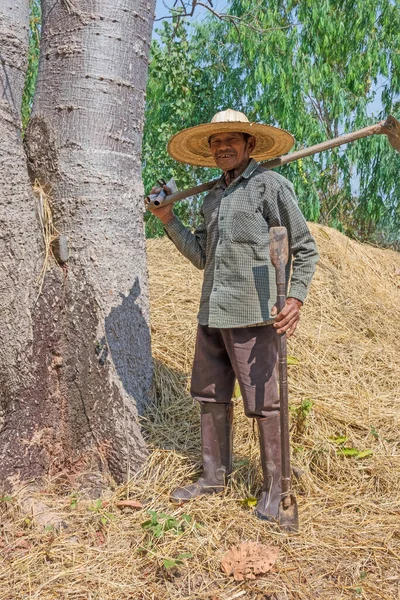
{"points": [[345, 385], [49, 231]]}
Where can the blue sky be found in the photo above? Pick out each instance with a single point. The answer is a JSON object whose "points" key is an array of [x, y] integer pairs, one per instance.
{"points": [[162, 10]]}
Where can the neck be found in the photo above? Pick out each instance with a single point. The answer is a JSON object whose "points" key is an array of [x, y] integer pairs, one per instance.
{"points": [[234, 173]]}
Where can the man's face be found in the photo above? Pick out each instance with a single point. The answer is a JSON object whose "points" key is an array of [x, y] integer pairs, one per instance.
{"points": [[231, 150]]}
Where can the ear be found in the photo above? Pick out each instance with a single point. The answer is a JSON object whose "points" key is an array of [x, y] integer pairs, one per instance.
{"points": [[251, 143]]}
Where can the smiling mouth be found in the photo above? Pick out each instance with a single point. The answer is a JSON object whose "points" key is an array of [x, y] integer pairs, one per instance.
{"points": [[225, 156]]}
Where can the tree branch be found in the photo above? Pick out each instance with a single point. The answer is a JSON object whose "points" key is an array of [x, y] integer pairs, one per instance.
{"points": [[232, 19]]}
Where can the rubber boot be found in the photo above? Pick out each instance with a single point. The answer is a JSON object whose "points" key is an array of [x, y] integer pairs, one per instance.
{"points": [[270, 452], [216, 446]]}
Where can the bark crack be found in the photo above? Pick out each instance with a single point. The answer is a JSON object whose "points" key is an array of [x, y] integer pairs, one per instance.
{"points": [[91, 430]]}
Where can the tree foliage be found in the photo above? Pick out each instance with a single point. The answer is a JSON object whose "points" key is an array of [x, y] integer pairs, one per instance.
{"points": [[179, 95], [33, 61], [312, 68]]}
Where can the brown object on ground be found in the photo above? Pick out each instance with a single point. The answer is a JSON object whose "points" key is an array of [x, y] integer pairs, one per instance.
{"points": [[248, 560], [129, 504]]}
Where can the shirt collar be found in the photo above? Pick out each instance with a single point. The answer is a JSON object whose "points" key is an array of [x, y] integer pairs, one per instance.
{"points": [[251, 167]]}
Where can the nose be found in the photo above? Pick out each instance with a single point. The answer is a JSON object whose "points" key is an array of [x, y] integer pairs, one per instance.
{"points": [[222, 146]]}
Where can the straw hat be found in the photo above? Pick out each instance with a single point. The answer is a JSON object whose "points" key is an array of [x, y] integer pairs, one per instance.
{"points": [[191, 145]]}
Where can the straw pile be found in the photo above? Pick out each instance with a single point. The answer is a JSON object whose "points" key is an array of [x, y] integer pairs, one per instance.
{"points": [[344, 393]]}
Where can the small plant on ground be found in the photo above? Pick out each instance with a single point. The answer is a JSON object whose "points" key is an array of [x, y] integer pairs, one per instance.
{"points": [[160, 523], [104, 516], [301, 414]]}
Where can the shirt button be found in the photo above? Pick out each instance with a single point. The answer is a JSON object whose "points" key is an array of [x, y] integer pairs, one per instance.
{"points": [[217, 267], [215, 289], [221, 218]]}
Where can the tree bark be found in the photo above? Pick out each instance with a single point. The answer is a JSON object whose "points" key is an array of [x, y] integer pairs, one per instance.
{"points": [[90, 327], [20, 248]]}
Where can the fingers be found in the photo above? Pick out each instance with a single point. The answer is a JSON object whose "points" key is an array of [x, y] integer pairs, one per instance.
{"points": [[155, 191], [274, 310], [286, 321], [290, 327]]}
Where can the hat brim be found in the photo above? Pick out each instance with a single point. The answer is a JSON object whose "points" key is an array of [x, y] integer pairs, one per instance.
{"points": [[191, 146]]}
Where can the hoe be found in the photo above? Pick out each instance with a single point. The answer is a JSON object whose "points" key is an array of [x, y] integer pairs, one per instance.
{"points": [[390, 128]]}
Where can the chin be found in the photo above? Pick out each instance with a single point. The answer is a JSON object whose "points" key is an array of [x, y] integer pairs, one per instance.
{"points": [[226, 166]]}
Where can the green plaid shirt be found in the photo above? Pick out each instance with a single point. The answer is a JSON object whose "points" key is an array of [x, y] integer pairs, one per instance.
{"points": [[232, 246]]}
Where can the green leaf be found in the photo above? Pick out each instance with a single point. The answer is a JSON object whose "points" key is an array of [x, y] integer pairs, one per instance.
{"points": [[347, 451], [146, 524], [364, 454], [6, 498], [187, 518], [249, 502], [339, 440], [97, 506], [236, 392], [291, 360], [374, 432], [184, 555], [171, 523], [168, 564]]}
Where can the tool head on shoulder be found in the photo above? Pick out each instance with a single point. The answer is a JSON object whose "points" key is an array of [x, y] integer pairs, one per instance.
{"points": [[391, 128]]}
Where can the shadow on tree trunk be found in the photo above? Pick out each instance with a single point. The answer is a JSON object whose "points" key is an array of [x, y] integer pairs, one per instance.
{"points": [[126, 322]]}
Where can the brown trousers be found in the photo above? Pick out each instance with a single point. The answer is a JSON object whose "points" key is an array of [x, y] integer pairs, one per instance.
{"points": [[247, 354]]}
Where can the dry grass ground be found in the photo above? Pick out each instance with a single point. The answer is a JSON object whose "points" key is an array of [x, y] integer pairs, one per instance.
{"points": [[344, 393]]}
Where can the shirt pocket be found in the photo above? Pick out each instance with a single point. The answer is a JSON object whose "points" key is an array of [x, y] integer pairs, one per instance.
{"points": [[249, 228]]}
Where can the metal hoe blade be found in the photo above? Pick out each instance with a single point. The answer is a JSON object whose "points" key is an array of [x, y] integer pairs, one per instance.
{"points": [[391, 127], [288, 518]]}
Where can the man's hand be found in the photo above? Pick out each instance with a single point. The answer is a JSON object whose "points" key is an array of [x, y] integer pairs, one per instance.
{"points": [[164, 213], [288, 318]]}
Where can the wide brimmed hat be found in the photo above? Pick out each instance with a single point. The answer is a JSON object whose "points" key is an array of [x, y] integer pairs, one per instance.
{"points": [[191, 145]]}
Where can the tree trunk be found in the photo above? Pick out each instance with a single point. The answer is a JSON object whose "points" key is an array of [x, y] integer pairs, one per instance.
{"points": [[91, 340], [20, 249]]}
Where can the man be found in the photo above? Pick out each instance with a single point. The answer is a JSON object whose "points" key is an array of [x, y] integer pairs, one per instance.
{"points": [[238, 325]]}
